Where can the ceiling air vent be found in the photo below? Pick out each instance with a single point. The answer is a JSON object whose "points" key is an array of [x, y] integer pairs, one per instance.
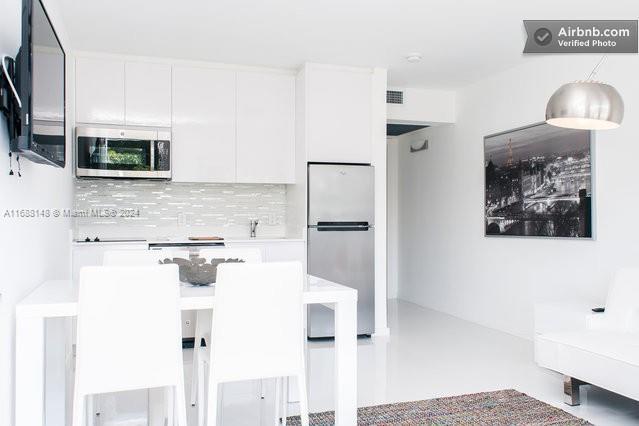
{"points": [[394, 97]]}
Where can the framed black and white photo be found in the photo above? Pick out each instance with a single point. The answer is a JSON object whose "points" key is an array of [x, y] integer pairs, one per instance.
{"points": [[538, 182]]}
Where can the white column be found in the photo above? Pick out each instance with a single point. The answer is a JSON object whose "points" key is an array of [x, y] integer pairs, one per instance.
{"points": [[378, 135], [29, 371], [346, 363]]}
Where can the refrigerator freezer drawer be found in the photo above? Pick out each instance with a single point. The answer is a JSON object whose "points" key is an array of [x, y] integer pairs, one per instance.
{"points": [[345, 257]]}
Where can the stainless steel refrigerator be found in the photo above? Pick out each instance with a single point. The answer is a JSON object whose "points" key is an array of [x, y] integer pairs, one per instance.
{"points": [[341, 239]]}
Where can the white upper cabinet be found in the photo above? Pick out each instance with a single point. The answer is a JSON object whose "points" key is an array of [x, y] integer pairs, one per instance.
{"points": [[111, 91], [339, 114], [265, 127], [147, 94], [227, 125], [99, 92], [203, 125]]}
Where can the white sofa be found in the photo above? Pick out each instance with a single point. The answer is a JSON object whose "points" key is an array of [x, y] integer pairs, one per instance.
{"points": [[597, 348]]}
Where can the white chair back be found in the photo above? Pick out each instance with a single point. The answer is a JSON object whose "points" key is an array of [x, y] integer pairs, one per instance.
{"points": [[247, 254], [114, 304], [203, 318], [622, 303], [140, 257], [257, 306], [257, 327]]}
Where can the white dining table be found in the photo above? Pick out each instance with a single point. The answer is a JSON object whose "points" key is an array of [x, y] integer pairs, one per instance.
{"points": [[59, 299]]}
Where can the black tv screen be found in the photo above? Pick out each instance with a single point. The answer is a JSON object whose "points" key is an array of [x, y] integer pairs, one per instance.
{"points": [[40, 74]]}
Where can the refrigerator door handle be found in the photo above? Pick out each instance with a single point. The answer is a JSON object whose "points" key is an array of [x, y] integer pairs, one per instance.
{"points": [[342, 226]]}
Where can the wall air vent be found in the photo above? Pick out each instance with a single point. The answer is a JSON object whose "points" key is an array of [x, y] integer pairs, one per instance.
{"points": [[394, 97]]}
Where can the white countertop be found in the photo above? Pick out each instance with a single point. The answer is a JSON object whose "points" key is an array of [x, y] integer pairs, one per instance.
{"points": [[187, 241]]}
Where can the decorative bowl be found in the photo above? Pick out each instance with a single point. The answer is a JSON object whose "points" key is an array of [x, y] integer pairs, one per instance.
{"points": [[197, 270]]}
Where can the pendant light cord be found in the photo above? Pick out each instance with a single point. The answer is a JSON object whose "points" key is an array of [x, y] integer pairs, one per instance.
{"points": [[594, 71]]}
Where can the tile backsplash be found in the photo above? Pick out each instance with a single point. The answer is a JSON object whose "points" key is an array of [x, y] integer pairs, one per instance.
{"points": [[159, 209]]}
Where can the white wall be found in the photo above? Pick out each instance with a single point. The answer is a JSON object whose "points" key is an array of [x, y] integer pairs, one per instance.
{"points": [[447, 264], [392, 212], [31, 250]]}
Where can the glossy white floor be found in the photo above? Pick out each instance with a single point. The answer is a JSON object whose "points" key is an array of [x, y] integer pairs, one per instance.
{"points": [[428, 355]]}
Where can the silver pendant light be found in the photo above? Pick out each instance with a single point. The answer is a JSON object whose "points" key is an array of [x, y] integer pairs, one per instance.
{"points": [[586, 104]]}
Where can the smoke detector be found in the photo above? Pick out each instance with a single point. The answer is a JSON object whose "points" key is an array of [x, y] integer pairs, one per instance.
{"points": [[414, 57]]}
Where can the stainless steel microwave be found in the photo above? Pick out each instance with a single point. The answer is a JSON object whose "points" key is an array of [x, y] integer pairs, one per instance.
{"points": [[123, 153]]}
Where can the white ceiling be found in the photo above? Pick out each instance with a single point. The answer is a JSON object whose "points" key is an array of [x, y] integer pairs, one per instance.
{"points": [[460, 40]]}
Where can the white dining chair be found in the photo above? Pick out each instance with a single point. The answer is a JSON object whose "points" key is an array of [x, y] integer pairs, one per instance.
{"points": [[134, 258], [203, 318], [257, 328], [112, 355]]}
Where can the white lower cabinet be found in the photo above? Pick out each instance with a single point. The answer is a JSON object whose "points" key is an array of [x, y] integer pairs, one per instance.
{"points": [[277, 251], [287, 252], [91, 254]]}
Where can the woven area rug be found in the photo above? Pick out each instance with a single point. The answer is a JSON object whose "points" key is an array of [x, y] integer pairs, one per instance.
{"points": [[505, 407]]}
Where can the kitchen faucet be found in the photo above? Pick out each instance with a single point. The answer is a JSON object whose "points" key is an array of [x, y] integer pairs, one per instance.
{"points": [[254, 223]]}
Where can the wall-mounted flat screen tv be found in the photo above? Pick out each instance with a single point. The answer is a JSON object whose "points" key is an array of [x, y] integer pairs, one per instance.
{"points": [[40, 75]]}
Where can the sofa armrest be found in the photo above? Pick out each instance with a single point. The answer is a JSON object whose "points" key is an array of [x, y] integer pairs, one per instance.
{"points": [[626, 322], [563, 316], [633, 321], [597, 321]]}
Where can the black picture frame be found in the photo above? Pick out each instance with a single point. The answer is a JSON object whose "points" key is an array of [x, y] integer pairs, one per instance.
{"points": [[538, 183]]}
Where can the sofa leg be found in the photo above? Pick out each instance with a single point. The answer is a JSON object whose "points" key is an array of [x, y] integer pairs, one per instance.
{"points": [[571, 390]]}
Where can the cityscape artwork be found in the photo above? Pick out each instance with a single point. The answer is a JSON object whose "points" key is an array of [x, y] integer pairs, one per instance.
{"points": [[538, 182]]}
